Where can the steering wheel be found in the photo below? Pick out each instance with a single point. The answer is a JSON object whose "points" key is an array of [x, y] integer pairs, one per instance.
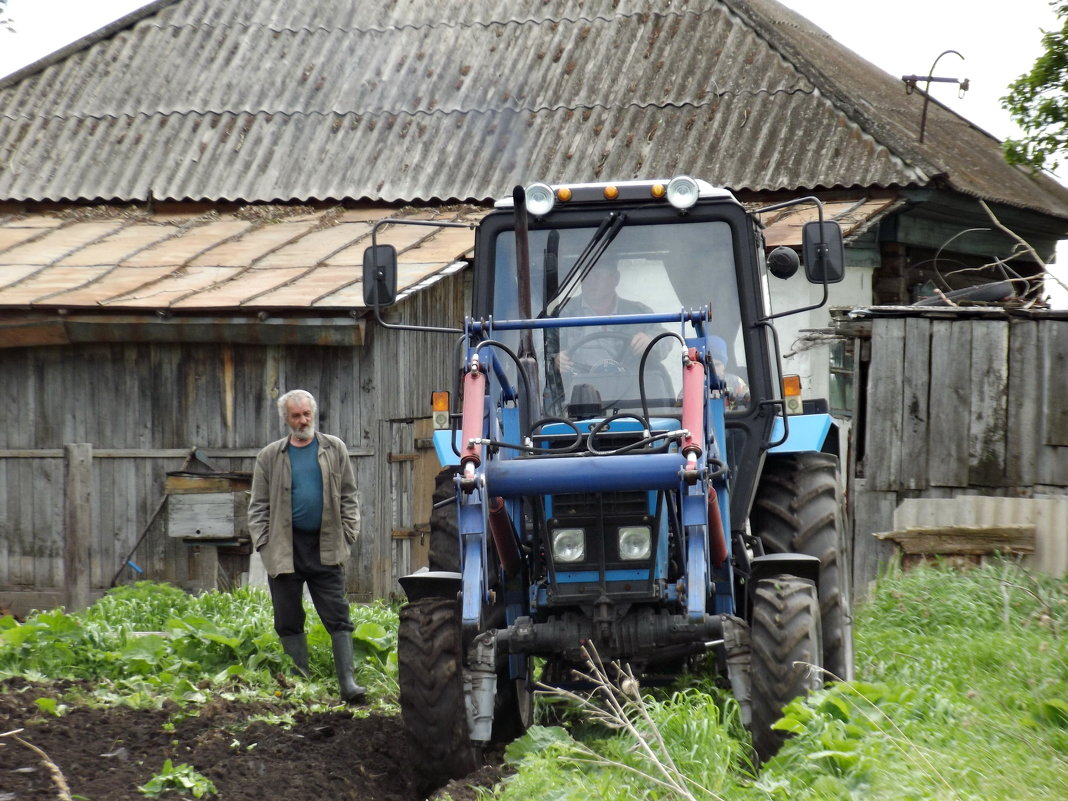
{"points": [[610, 364], [617, 363]]}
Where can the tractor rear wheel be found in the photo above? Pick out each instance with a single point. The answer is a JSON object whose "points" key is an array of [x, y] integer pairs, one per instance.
{"points": [[444, 529], [798, 509], [786, 646], [430, 674]]}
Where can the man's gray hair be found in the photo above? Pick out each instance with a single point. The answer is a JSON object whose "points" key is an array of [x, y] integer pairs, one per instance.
{"points": [[297, 394]]}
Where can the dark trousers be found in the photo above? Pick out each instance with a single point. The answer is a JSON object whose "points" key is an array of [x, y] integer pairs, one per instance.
{"points": [[326, 584]]}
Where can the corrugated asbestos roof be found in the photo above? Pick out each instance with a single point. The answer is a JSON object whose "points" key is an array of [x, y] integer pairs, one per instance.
{"points": [[410, 100], [258, 258]]}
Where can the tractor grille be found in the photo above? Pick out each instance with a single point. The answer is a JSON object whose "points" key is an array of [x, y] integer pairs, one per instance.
{"points": [[593, 505]]}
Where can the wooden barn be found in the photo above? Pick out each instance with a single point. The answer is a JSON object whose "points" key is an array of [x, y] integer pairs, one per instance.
{"points": [[185, 196]]}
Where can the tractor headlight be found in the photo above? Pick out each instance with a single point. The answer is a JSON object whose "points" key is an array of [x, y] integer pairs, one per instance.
{"points": [[635, 542], [682, 191], [540, 199], [569, 544]]}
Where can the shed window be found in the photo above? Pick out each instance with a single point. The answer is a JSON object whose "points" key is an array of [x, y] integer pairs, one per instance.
{"points": [[841, 385]]}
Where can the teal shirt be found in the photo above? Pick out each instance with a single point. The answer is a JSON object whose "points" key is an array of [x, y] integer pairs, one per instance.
{"points": [[307, 486]]}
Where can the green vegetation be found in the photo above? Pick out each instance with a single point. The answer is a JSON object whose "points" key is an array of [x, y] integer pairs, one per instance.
{"points": [[179, 778], [144, 643], [1038, 101], [962, 693]]}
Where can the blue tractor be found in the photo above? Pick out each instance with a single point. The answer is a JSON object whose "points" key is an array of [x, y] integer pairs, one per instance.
{"points": [[622, 468]]}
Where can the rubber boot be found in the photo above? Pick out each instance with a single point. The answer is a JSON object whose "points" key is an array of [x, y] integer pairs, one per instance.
{"points": [[351, 692], [296, 648]]}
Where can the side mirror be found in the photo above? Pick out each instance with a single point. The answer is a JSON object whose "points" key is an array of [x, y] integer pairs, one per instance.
{"points": [[824, 260], [379, 276]]}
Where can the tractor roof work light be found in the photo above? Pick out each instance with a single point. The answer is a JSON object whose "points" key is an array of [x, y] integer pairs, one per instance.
{"points": [[682, 192], [540, 199]]}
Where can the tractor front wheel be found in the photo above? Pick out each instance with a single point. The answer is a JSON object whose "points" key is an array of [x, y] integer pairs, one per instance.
{"points": [[430, 674], [786, 646]]}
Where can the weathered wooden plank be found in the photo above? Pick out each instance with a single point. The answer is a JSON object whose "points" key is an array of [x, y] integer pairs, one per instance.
{"points": [[50, 530], [189, 483], [22, 562], [6, 533], [1024, 404], [202, 567], [78, 525], [964, 539], [205, 515], [380, 551], [951, 393], [1055, 361], [424, 472], [947, 448], [1053, 453], [873, 511], [882, 459], [988, 432], [916, 381]]}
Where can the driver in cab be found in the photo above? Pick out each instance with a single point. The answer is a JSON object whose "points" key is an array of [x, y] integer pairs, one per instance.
{"points": [[599, 299]]}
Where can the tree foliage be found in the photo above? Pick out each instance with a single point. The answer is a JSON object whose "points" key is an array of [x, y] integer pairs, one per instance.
{"points": [[1038, 101]]}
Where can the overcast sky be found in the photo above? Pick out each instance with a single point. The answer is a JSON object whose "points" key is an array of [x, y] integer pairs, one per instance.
{"points": [[903, 37]]}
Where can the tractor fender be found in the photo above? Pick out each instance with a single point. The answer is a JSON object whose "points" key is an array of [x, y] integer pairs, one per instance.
{"points": [[793, 564], [807, 432], [447, 446], [431, 584]]}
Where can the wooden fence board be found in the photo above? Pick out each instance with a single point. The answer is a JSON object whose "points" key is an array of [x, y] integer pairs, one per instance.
{"points": [[883, 427], [1024, 404], [947, 450], [1055, 353], [381, 551], [6, 532], [915, 413], [987, 436], [78, 525], [873, 512]]}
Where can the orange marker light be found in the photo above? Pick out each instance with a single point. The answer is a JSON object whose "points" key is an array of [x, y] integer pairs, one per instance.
{"points": [[658, 191], [611, 192], [791, 390], [439, 404], [563, 194]]}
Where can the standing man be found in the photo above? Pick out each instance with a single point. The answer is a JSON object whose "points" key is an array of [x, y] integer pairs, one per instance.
{"points": [[303, 518]]}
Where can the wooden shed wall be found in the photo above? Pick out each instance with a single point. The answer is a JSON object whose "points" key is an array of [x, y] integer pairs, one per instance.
{"points": [[143, 408], [957, 407]]}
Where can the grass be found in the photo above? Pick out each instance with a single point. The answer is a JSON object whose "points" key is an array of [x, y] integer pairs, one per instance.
{"points": [[962, 694]]}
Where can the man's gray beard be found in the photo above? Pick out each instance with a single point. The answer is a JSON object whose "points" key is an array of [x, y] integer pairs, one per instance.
{"points": [[303, 434]]}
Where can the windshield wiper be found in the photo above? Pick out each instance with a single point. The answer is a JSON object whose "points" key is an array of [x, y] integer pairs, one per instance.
{"points": [[604, 235]]}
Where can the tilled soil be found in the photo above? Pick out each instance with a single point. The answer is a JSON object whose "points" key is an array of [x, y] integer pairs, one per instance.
{"points": [[106, 754]]}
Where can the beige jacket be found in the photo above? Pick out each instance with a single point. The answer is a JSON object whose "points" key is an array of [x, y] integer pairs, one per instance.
{"points": [[270, 510]]}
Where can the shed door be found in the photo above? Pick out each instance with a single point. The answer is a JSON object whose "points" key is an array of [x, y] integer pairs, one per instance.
{"points": [[410, 467]]}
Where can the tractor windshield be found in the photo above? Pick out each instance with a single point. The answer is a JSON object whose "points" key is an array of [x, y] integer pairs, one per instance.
{"points": [[591, 370]]}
